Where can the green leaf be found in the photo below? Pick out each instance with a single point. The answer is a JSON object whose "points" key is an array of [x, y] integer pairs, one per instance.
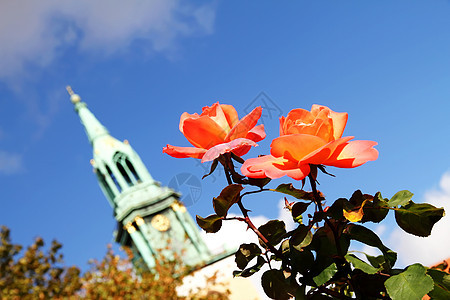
{"points": [[418, 219], [299, 208], [228, 197], [302, 237], [360, 264], [411, 284], [259, 182], [441, 288], [288, 189], [375, 210], [275, 285], [366, 236], [325, 275], [357, 198], [273, 231], [336, 210], [400, 198], [252, 270], [301, 261], [300, 293], [324, 245], [245, 254], [210, 224], [375, 261]]}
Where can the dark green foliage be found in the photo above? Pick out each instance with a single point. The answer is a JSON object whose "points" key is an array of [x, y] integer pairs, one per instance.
{"points": [[312, 261], [289, 189], [274, 231], [441, 288], [228, 197], [418, 219], [245, 254], [276, 285], [210, 224]]}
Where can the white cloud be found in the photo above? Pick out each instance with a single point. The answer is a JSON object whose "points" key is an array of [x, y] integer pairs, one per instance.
{"points": [[232, 234], [436, 247], [10, 163], [35, 33], [285, 215]]}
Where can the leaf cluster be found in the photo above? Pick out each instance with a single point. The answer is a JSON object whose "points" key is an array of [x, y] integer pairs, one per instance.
{"points": [[313, 261]]}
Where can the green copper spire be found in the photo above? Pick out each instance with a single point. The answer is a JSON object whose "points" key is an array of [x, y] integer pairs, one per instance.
{"points": [[94, 129], [150, 218]]}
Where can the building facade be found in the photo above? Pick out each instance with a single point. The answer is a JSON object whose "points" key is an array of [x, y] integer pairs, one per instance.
{"points": [[150, 218]]}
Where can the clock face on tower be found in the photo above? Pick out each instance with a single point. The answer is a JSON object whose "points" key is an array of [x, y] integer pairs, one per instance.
{"points": [[160, 222]]}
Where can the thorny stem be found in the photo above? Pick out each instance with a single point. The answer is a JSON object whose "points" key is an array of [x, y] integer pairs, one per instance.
{"points": [[254, 192], [228, 164], [317, 201], [268, 260]]}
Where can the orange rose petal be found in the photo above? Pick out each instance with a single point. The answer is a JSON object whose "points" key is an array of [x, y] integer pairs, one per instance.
{"points": [[241, 129], [230, 114], [321, 155], [310, 129], [298, 173], [206, 110], [234, 145], [273, 167], [203, 132], [339, 119], [325, 126], [216, 113], [339, 122], [184, 152], [287, 125], [257, 133], [295, 146], [185, 116], [316, 109], [242, 150], [300, 114], [353, 154], [282, 121]]}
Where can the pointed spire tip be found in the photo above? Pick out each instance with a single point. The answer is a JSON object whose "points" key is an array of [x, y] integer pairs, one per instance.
{"points": [[74, 98]]}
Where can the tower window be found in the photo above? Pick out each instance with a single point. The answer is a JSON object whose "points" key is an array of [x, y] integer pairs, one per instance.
{"points": [[124, 173], [126, 169], [104, 184], [114, 179], [133, 171]]}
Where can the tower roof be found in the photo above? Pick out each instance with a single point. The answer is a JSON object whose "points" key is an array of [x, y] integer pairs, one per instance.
{"points": [[94, 129]]}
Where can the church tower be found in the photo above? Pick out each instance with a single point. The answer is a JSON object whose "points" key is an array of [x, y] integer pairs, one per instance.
{"points": [[150, 218]]}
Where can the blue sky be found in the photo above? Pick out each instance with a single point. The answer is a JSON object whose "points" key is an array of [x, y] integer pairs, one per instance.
{"points": [[140, 65]]}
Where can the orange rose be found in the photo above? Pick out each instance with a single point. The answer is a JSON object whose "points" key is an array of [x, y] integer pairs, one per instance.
{"points": [[310, 138], [218, 130]]}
